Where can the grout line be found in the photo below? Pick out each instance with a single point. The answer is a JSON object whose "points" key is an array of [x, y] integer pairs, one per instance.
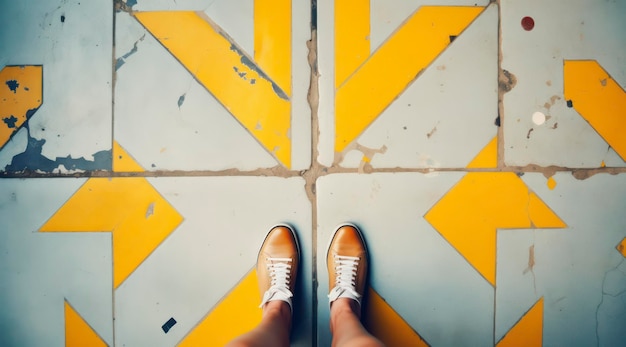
{"points": [[113, 81], [501, 92], [317, 170], [312, 173], [500, 155]]}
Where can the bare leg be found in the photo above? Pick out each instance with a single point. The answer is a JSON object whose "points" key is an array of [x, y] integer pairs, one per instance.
{"points": [[273, 329], [346, 326]]}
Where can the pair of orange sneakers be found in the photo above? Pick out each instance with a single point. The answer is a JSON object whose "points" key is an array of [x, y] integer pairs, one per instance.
{"points": [[279, 257]]}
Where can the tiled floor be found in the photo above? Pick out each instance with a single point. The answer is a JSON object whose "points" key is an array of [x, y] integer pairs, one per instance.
{"points": [[147, 146]]}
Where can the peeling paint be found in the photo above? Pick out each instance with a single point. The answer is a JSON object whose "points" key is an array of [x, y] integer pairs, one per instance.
{"points": [[10, 121], [150, 210], [121, 60], [13, 85], [252, 66], [31, 160]]}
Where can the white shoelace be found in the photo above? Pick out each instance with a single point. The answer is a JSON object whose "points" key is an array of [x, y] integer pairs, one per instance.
{"points": [[280, 273], [345, 282]]}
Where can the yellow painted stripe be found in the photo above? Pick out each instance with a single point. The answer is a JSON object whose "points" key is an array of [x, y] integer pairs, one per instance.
{"points": [[248, 93], [394, 65], [528, 332], [21, 94], [238, 313], [598, 99], [469, 215], [352, 37], [77, 332], [272, 40], [124, 162], [139, 217], [488, 157], [382, 321]]}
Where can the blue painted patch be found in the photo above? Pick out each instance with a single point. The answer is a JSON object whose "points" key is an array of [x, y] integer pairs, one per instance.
{"points": [[13, 85], [121, 60], [252, 66], [168, 325], [32, 159], [131, 3], [10, 121], [181, 100]]}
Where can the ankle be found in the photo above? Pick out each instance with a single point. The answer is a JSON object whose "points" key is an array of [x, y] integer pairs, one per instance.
{"points": [[343, 306], [277, 309]]}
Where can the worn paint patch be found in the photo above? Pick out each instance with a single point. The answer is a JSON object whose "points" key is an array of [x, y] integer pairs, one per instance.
{"points": [[209, 54], [12, 84], [10, 121], [32, 160], [181, 100], [252, 66], [121, 60], [20, 99]]}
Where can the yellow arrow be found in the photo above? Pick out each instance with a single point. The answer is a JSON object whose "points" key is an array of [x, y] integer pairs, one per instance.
{"points": [[528, 331], [21, 94], [77, 332], [137, 215], [598, 99], [469, 215], [387, 72], [230, 74]]}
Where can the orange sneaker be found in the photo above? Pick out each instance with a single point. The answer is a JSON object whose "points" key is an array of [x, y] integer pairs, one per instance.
{"points": [[277, 264], [346, 260]]}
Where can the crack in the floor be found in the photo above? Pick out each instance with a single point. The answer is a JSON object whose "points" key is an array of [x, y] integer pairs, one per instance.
{"points": [[604, 294]]}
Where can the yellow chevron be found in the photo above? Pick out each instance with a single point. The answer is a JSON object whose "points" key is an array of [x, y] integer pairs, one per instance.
{"points": [[469, 215], [387, 72], [230, 74], [598, 99], [137, 215]]}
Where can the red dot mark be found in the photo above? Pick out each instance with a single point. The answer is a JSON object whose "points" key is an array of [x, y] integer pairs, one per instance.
{"points": [[528, 23]]}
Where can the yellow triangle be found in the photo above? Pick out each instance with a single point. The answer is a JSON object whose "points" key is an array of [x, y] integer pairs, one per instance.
{"points": [[528, 332], [622, 247], [541, 215], [124, 162], [77, 332], [488, 156], [237, 314], [382, 321]]}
